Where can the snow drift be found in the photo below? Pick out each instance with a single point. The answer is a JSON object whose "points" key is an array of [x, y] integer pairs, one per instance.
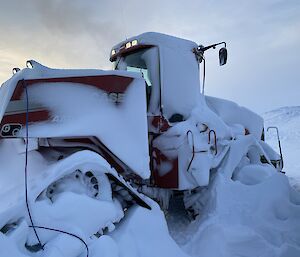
{"points": [[256, 214]]}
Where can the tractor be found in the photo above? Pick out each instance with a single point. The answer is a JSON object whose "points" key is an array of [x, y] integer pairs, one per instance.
{"points": [[147, 118]]}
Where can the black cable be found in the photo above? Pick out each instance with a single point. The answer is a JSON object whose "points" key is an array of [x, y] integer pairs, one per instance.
{"points": [[26, 164], [203, 81], [26, 185], [67, 233]]}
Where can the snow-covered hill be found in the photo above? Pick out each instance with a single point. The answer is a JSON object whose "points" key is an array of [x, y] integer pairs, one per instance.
{"points": [[287, 119]]}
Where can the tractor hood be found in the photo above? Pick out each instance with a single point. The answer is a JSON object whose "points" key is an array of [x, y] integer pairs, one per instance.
{"points": [[107, 105]]}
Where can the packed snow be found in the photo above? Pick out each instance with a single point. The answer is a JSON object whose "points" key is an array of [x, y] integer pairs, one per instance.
{"points": [[239, 218]]}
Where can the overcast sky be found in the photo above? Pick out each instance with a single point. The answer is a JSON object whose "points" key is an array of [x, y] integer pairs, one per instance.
{"points": [[263, 38]]}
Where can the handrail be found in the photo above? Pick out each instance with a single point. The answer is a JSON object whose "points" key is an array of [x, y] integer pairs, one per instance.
{"points": [[279, 144], [193, 148], [215, 139]]}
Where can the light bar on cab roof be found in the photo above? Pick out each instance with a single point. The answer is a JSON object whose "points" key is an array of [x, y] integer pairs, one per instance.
{"points": [[130, 44], [134, 42], [126, 46]]}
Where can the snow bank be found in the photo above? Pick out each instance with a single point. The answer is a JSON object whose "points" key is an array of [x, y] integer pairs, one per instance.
{"points": [[251, 216], [145, 233]]}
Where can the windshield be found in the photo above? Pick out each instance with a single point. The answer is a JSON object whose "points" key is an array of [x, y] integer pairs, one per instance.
{"points": [[144, 61], [134, 62]]}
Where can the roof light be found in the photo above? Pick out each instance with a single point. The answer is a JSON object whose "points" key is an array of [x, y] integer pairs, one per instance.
{"points": [[128, 45], [15, 70], [134, 42], [29, 64]]}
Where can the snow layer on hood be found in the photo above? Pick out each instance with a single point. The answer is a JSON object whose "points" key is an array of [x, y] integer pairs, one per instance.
{"points": [[40, 71], [80, 110]]}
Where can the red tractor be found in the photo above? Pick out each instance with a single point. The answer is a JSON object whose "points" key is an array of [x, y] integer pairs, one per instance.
{"points": [[147, 118]]}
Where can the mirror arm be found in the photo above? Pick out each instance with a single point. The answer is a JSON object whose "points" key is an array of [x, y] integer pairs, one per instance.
{"points": [[204, 48]]}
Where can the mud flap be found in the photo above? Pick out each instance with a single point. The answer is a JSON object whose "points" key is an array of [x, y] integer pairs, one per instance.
{"points": [[135, 195]]}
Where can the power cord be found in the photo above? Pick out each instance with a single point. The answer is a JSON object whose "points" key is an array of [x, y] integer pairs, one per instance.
{"points": [[26, 164], [26, 186], [67, 233]]}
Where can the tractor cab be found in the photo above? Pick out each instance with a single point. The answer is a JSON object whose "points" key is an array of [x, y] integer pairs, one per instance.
{"points": [[170, 69], [171, 72]]}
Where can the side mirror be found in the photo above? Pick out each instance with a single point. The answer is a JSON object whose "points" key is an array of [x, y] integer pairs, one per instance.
{"points": [[223, 56]]}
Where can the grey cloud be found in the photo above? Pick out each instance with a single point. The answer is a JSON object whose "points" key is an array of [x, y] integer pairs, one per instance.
{"points": [[79, 33]]}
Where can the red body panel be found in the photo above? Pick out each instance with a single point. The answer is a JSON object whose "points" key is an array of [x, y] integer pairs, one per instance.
{"points": [[16, 119], [35, 116], [108, 83], [170, 179]]}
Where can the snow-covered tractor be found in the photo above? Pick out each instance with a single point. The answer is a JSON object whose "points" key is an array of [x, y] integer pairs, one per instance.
{"points": [[146, 124]]}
